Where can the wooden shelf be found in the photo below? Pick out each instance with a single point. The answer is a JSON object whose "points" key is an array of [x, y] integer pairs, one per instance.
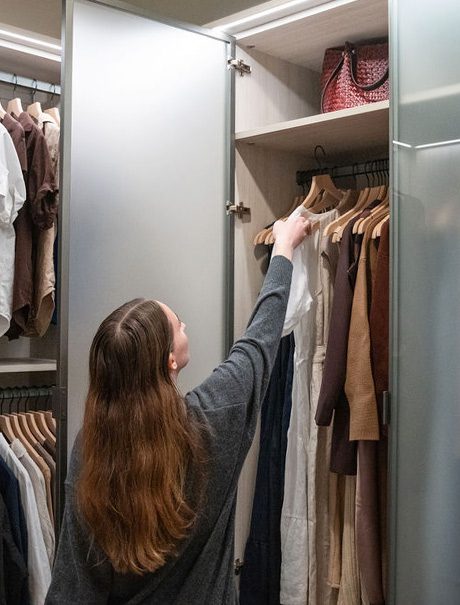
{"points": [[302, 38], [16, 365], [344, 132]]}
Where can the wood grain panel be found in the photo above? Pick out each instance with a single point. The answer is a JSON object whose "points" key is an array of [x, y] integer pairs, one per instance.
{"points": [[303, 38], [351, 133], [274, 91]]}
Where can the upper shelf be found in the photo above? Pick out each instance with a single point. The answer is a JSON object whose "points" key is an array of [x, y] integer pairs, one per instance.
{"points": [[17, 365], [341, 133], [29, 54], [302, 38]]}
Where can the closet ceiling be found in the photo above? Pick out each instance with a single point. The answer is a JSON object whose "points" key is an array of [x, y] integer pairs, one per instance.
{"points": [[44, 16]]}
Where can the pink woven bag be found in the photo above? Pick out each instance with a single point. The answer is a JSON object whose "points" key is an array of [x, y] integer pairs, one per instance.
{"points": [[354, 75]]}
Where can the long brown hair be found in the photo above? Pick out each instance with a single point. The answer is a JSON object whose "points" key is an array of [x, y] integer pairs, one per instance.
{"points": [[138, 443]]}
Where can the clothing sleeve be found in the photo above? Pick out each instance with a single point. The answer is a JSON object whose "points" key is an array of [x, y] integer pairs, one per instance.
{"points": [[81, 573], [241, 380]]}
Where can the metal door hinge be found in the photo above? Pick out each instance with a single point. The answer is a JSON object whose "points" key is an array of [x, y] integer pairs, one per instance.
{"points": [[238, 565], [239, 65], [386, 408], [238, 209]]}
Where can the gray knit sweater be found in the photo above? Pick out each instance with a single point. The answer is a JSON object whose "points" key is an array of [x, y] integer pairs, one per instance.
{"points": [[228, 401]]}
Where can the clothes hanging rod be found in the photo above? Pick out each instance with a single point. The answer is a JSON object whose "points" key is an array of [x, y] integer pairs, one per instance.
{"points": [[370, 167], [30, 83]]}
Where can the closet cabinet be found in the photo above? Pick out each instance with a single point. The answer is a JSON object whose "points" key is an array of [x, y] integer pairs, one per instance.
{"points": [[278, 125], [160, 137]]}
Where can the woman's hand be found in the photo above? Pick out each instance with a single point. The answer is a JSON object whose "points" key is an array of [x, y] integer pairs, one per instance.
{"points": [[289, 234]]}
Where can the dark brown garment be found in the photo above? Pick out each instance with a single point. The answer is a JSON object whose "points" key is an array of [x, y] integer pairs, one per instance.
{"points": [[16, 132], [379, 316], [37, 213], [332, 398]]}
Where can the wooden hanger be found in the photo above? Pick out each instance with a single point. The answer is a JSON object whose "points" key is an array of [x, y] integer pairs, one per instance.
{"points": [[51, 422], [34, 427], [344, 218], [320, 183], [54, 113], [378, 212], [35, 110], [372, 196], [25, 428], [261, 237], [357, 227], [348, 201], [327, 201], [14, 107], [6, 428], [377, 232], [42, 425]]}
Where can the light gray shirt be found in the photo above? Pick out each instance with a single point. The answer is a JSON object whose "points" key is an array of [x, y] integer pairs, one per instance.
{"points": [[228, 402], [38, 484], [37, 558]]}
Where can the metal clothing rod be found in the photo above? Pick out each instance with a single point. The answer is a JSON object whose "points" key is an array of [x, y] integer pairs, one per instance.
{"points": [[32, 84], [19, 398], [379, 166]]}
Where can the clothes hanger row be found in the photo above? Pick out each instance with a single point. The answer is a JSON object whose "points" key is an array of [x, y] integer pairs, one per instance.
{"points": [[14, 106], [31, 426], [324, 195]]}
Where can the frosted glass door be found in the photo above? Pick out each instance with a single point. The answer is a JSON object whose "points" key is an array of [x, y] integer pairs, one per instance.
{"points": [[426, 294], [149, 171]]}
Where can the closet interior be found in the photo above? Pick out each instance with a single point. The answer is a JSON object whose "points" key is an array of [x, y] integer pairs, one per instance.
{"points": [[31, 435], [283, 144]]}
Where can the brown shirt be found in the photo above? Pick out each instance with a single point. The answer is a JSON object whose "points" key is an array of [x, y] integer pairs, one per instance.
{"points": [[44, 276], [38, 213]]}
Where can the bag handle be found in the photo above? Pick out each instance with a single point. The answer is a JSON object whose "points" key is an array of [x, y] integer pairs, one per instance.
{"points": [[333, 75], [351, 50]]}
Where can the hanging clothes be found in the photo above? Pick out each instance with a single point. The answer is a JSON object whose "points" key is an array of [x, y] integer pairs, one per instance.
{"points": [[372, 456], [332, 398], [37, 561], [44, 273], [304, 532], [13, 571], [12, 197], [9, 489], [260, 575], [38, 484], [37, 214]]}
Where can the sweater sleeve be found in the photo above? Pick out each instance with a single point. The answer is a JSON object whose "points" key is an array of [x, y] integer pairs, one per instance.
{"points": [[235, 389], [81, 573]]}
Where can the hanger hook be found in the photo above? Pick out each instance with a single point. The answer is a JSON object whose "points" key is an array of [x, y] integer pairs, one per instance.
{"points": [[34, 89], [15, 84], [318, 161], [53, 93], [366, 173]]}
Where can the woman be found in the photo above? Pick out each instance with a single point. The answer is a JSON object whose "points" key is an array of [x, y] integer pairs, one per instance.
{"points": [[152, 481]]}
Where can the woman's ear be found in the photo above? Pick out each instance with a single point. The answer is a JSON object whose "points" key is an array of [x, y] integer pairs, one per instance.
{"points": [[172, 363]]}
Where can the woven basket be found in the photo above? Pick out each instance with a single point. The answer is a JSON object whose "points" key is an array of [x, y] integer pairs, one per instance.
{"points": [[354, 75]]}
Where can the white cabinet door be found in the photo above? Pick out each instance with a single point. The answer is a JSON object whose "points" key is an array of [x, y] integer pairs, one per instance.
{"points": [[147, 171]]}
